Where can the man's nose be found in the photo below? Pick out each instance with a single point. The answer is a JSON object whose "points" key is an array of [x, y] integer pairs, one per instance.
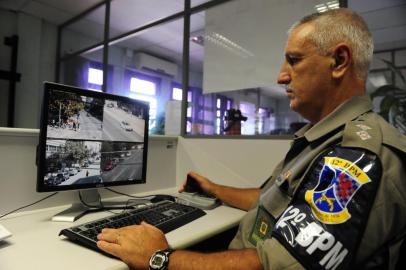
{"points": [[283, 77]]}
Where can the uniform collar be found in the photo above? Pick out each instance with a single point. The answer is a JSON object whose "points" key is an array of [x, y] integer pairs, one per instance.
{"points": [[347, 111]]}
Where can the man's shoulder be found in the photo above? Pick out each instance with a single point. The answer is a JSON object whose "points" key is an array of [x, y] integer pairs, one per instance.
{"points": [[370, 131], [391, 136]]}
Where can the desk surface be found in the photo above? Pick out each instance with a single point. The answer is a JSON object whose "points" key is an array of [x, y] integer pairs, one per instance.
{"points": [[35, 243]]}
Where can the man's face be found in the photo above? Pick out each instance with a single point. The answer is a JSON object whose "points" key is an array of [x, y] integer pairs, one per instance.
{"points": [[306, 74]]}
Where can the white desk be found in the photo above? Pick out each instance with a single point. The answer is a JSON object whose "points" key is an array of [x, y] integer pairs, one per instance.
{"points": [[35, 243]]}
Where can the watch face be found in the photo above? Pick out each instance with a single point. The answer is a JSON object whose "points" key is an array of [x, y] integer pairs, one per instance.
{"points": [[157, 261]]}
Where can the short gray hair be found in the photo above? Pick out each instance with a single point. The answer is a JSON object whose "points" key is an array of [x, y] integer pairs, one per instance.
{"points": [[342, 25]]}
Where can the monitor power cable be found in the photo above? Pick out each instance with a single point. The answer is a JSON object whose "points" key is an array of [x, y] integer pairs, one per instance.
{"points": [[28, 205]]}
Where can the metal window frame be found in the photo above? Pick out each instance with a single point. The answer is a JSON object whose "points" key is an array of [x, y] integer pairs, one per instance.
{"points": [[187, 12], [107, 41]]}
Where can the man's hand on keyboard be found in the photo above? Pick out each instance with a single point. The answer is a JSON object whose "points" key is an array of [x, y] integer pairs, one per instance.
{"points": [[134, 245]]}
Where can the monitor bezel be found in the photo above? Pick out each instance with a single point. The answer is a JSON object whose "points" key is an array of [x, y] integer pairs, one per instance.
{"points": [[41, 149]]}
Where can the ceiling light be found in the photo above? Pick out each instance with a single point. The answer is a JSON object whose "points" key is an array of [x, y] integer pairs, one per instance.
{"points": [[333, 5], [198, 40], [220, 40], [327, 6]]}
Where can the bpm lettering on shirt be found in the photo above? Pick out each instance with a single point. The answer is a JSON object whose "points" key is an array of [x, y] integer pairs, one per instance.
{"points": [[307, 236], [313, 237]]}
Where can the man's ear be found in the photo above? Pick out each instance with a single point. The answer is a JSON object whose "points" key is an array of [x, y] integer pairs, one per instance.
{"points": [[341, 60]]}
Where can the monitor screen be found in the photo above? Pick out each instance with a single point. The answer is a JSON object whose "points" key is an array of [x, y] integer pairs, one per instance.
{"points": [[90, 139]]}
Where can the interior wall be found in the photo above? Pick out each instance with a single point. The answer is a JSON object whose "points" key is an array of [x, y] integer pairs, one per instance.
{"points": [[19, 172], [240, 163], [8, 27], [35, 62], [232, 162]]}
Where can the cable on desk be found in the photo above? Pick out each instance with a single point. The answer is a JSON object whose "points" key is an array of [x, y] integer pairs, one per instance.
{"points": [[128, 195], [25, 206], [134, 199], [147, 197], [128, 205]]}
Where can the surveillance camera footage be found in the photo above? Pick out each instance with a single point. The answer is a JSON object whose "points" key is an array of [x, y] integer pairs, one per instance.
{"points": [[93, 140], [123, 122]]}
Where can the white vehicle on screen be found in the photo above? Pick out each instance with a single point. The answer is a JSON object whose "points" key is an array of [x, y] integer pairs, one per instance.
{"points": [[126, 126]]}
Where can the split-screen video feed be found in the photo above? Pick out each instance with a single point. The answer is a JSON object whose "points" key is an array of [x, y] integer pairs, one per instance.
{"points": [[92, 140]]}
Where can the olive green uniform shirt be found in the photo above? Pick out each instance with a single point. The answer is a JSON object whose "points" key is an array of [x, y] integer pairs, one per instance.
{"points": [[352, 124]]}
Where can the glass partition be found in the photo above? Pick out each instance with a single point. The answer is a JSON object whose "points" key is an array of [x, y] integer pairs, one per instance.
{"points": [[258, 111], [84, 70], [127, 15], [232, 85], [144, 67], [234, 50], [194, 3], [83, 33]]}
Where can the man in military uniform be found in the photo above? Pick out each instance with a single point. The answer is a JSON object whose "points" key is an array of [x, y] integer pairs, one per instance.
{"points": [[338, 199]]}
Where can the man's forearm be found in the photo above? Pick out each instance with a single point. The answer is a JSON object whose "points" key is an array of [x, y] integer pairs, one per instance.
{"points": [[230, 259], [242, 198]]}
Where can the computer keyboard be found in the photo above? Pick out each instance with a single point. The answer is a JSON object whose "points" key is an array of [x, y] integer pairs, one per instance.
{"points": [[166, 215]]}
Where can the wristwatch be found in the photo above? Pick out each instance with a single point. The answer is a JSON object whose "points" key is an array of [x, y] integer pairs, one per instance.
{"points": [[160, 259]]}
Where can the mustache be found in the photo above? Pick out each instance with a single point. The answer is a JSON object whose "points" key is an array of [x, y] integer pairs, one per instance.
{"points": [[287, 87]]}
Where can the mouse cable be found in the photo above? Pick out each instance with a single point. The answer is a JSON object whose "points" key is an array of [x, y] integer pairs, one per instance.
{"points": [[25, 206], [128, 206], [128, 195]]}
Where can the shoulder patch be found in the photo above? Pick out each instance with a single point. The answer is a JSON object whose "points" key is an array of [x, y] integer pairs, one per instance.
{"points": [[344, 178]]}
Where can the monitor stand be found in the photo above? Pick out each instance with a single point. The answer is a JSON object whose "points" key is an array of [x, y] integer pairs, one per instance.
{"points": [[90, 197]]}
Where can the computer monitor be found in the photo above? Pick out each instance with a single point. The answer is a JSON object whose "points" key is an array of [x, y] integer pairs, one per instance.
{"points": [[89, 140]]}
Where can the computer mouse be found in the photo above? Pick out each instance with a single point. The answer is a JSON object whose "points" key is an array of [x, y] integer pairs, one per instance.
{"points": [[162, 197], [192, 186]]}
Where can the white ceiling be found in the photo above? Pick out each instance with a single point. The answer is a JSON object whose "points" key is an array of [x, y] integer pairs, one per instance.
{"points": [[386, 19], [54, 11]]}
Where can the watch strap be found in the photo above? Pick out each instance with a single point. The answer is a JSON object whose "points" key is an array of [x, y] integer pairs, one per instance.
{"points": [[167, 251]]}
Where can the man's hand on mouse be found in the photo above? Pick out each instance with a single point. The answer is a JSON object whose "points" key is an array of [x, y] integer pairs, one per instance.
{"points": [[204, 183]]}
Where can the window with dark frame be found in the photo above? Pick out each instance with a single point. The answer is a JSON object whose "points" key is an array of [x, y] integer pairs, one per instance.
{"points": [[145, 88], [204, 114]]}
